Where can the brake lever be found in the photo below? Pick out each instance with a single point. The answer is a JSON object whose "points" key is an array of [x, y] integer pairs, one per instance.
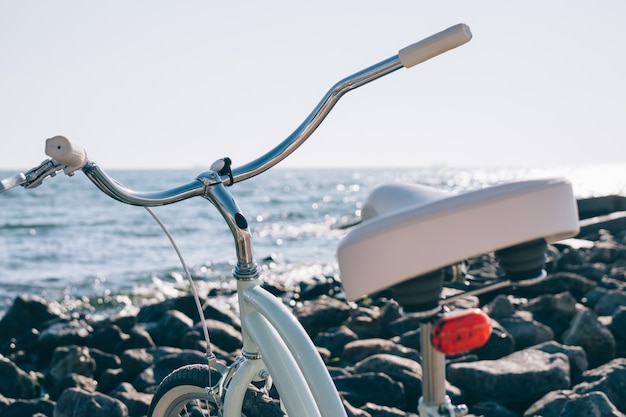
{"points": [[34, 177]]}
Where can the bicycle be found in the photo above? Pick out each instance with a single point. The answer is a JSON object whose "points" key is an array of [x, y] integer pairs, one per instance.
{"points": [[519, 219]]}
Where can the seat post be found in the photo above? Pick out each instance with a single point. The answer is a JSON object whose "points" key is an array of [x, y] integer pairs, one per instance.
{"points": [[433, 367], [434, 401]]}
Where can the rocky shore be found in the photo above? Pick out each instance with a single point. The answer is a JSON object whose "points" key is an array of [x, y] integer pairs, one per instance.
{"points": [[558, 347]]}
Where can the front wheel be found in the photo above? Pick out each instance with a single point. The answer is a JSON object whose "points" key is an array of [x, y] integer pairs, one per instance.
{"points": [[184, 393]]}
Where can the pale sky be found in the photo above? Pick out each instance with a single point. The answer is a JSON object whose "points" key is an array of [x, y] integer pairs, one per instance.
{"points": [[151, 83]]}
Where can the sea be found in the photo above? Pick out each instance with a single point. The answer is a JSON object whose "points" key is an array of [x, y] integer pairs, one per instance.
{"points": [[70, 244]]}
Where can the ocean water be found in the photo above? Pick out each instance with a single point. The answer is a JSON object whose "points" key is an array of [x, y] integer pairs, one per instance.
{"points": [[76, 247]]}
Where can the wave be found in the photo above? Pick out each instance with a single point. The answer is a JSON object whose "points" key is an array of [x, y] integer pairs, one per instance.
{"points": [[30, 226]]}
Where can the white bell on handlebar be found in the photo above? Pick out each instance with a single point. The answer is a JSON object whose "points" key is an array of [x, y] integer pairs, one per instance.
{"points": [[66, 152]]}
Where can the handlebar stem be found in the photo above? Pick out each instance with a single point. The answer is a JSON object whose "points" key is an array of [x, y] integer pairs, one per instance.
{"points": [[315, 118], [217, 193]]}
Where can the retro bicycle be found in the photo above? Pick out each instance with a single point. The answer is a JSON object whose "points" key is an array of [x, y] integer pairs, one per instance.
{"points": [[420, 233]]}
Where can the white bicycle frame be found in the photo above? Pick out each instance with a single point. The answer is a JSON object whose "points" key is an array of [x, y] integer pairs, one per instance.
{"points": [[286, 350]]}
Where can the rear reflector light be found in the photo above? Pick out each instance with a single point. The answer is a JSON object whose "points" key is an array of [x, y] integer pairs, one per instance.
{"points": [[461, 331]]}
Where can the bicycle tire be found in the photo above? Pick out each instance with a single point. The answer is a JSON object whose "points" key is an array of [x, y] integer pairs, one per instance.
{"points": [[182, 393]]}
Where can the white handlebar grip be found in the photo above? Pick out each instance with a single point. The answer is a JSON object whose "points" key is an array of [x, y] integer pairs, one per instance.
{"points": [[68, 153], [434, 45]]}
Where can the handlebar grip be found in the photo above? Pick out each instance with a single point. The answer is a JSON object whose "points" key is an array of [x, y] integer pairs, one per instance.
{"points": [[68, 153], [434, 45]]}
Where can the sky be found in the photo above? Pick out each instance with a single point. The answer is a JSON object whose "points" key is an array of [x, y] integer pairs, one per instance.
{"points": [[177, 84]]}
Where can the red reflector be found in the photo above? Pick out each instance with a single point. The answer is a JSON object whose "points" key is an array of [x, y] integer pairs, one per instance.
{"points": [[461, 331]]}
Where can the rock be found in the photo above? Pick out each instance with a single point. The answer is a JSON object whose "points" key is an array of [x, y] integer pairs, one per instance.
{"points": [[36, 407], [608, 304], [63, 333], [618, 272], [154, 312], [125, 319], [406, 371], [593, 296], [604, 251], [15, 383], [612, 284], [76, 402], [104, 361], [618, 323], [375, 387], [111, 378], [526, 333], [274, 287], [317, 286], [523, 376], [321, 314], [500, 343], [145, 381], [138, 337], [136, 402], [335, 339], [553, 310], [108, 338], [375, 410], [19, 349], [360, 349], [373, 321], [562, 403], [569, 257], [134, 361], [68, 360], [563, 304], [194, 339], [408, 322], [491, 409], [26, 312], [610, 379], [82, 382], [352, 411], [586, 331], [500, 307], [577, 357], [223, 335], [411, 339], [222, 315], [170, 328]]}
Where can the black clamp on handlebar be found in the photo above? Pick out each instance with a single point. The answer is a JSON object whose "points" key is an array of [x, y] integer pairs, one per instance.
{"points": [[223, 167]]}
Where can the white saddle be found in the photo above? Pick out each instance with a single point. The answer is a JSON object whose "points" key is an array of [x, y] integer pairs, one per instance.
{"points": [[411, 230]]}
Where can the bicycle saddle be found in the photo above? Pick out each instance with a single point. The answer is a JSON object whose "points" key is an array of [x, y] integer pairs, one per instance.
{"points": [[409, 233]]}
